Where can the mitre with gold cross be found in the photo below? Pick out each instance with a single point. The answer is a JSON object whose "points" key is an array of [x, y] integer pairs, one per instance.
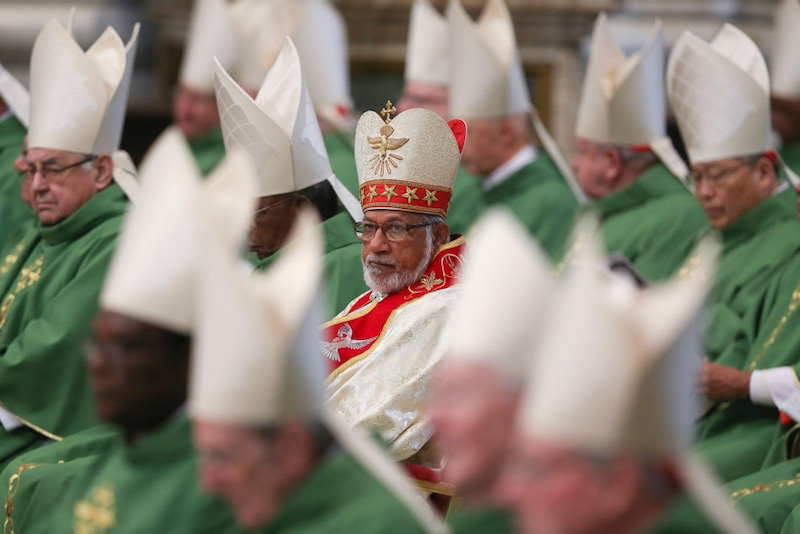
{"points": [[408, 163]]}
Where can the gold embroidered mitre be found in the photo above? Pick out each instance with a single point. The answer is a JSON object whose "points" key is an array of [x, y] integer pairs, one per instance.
{"points": [[409, 163]]}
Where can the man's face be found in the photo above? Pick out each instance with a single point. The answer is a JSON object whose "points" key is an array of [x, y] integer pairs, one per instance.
{"points": [[271, 224], [425, 96], [483, 151], [391, 266], [241, 467], [472, 412], [729, 188], [593, 168], [195, 112], [786, 118], [138, 372], [63, 193], [552, 489]]}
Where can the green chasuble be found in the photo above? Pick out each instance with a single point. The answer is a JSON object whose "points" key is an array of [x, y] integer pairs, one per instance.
{"points": [[483, 521], [148, 486], [342, 158], [50, 282], [35, 481], [342, 269], [466, 204], [208, 150], [756, 247], [340, 496], [14, 213], [654, 222], [541, 200], [791, 156], [740, 437]]}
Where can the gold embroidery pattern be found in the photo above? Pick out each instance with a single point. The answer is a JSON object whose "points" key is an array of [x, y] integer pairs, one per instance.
{"points": [[451, 266], [29, 276], [11, 259], [13, 488], [777, 330], [738, 495], [96, 515], [383, 161]]}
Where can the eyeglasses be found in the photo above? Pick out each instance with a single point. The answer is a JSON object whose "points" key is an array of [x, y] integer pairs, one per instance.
{"points": [[267, 208], [394, 231], [715, 177], [54, 175]]}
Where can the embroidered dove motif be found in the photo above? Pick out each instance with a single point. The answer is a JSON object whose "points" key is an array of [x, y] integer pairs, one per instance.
{"points": [[344, 340]]}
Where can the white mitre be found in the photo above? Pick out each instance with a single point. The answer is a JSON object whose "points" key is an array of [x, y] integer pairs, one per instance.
{"points": [[78, 98], [486, 77], [719, 92], [15, 96], [785, 69], [256, 351], [321, 41], [623, 101], [507, 285], [212, 33], [278, 130], [427, 50], [153, 274]]}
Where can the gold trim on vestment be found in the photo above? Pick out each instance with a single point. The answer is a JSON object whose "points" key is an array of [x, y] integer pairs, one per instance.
{"points": [[440, 488], [738, 495], [33, 427], [8, 524]]}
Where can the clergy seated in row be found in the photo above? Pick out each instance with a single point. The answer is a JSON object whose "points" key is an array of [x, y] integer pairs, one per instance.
{"points": [[580, 466], [50, 276], [488, 90], [267, 445], [381, 350], [736, 183], [426, 86], [285, 145], [626, 164], [478, 385], [138, 472], [15, 213]]}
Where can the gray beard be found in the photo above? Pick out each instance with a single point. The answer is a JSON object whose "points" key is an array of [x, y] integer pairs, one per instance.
{"points": [[396, 281]]}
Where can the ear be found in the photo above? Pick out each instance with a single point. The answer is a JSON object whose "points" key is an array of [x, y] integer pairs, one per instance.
{"points": [[301, 201], [294, 451], [105, 172], [764, 172], [624, 480], [614, 165], [440, 234]]}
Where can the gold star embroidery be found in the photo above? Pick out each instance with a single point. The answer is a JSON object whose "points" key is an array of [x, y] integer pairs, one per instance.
{"points": [[373, 192], [383, 161], [389, 192], [410, 194], [430, 197]]}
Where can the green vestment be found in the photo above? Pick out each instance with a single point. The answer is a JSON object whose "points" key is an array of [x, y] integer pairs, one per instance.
{"points": [[756, 247], [208, 150], [50, 282], [35, 481], [342, 270], [791, 155], [740, 437], [466, 203], [483, 521], [148, 486], [541, 200], [654, 222], [342, 159], [14, 213], [341, 496]]}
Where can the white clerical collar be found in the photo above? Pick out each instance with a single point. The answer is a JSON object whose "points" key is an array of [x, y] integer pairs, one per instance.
{"points": [[524, 155], [781, 188]]}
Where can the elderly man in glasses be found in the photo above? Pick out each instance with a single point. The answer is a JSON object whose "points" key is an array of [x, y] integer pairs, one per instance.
{"points": [[383, 347], [52, 272], [735, 180]]}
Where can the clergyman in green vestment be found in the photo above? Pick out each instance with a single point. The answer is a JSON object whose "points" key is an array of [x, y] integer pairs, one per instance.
{"points": [[626, 163], [293, 173], [735, 180], [488, 91]]}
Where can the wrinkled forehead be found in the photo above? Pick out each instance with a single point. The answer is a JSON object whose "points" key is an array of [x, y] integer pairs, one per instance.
{"points": [[48, 156], [385, 215]]}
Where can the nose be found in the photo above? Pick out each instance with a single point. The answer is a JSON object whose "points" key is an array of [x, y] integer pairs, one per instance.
{"points": [[38, 183], [210, 479], [378, 243]]}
